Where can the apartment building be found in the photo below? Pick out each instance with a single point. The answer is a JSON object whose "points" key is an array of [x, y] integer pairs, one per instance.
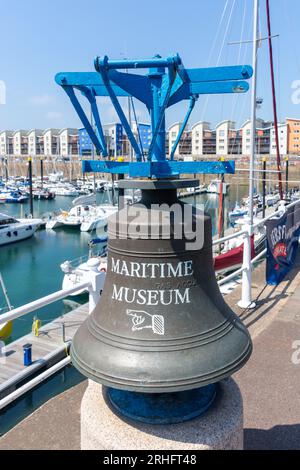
{"points": [[35, 142], [51, 142], [262, 140], [198, 133], [225, 134], [201, 140], [20, 142], [6, 143], [293, 136], [68, 142], [114, 138], [283, 140]]}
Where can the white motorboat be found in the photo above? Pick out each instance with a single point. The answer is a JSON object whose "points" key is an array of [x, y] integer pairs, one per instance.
{"points": [[77, 271], [13, 230], [12, 196], [97, 217], [62, 189], [237, 212], [87, 217], [56, 176], [272, 199], [71, 218]]}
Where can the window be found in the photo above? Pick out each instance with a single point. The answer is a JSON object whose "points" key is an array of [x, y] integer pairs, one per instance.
{"points": [[221, 133], [7, 221], [248, 132]]}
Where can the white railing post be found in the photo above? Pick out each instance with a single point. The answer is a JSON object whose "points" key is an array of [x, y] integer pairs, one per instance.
{"points": [[246, 300], [96, 285], [282, 207]]}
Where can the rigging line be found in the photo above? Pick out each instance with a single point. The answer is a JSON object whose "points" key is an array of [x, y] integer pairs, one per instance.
{"points": [[226, 31], [217, 33], [236, 97], [204, 109], [242, 31], [245, 97], [220, 54]]}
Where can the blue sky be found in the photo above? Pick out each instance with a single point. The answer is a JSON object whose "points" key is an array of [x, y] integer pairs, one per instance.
{"points": [[39, 39]]}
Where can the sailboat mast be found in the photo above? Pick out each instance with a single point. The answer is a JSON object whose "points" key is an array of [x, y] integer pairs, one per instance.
{"points": [[274, 99], [253, 109]]}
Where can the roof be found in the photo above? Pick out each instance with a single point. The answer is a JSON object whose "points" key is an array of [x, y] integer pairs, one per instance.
{"points": [[200, 122], [175, 124], [224, 122]]}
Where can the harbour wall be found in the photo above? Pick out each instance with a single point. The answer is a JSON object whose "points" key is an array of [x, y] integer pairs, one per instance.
{"points": [[72, 168]]}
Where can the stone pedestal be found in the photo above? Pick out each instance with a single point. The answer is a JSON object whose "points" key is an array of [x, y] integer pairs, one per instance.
{"points": [[219, 428]]}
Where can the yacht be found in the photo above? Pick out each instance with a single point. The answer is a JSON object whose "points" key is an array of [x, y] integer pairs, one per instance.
{"points": [[272, 199], [77, 271], [97, 217], [237, 212], [87, 217], [13, 230], [63, 190], [8, 197]]}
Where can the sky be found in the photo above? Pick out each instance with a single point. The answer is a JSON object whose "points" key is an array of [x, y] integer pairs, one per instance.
{"points": [[41, 38]]}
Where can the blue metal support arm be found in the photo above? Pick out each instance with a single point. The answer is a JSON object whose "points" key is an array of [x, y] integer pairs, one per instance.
{"points": [[90, 79], [108, 64], [160, 103], [162, 169], [167, 83], [183, 126], [89, 94], [121, 114], [82, 116]]}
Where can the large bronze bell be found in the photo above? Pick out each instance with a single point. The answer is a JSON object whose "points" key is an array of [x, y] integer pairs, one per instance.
{"points": [[162, 324]]}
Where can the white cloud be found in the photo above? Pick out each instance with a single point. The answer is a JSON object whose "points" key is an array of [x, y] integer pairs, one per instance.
{"points": [[54, 115], [41, 100]]}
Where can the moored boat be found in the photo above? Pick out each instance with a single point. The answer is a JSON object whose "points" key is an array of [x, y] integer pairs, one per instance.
{"points": [[13, 230]]}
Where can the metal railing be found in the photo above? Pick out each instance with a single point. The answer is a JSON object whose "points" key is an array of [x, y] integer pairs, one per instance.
{"points": [[93, 284], [42, 302], [248, 263]]}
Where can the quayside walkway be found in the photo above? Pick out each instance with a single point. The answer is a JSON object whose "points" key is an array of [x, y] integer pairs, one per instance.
{"points": [[270, 382]]}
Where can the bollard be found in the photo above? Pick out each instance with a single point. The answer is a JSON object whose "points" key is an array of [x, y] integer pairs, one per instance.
{"points": [[246, 300], [36, 324], [27, 350]]}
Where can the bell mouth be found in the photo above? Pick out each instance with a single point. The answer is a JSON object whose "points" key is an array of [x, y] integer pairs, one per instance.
{"points": [[162, 408]]}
